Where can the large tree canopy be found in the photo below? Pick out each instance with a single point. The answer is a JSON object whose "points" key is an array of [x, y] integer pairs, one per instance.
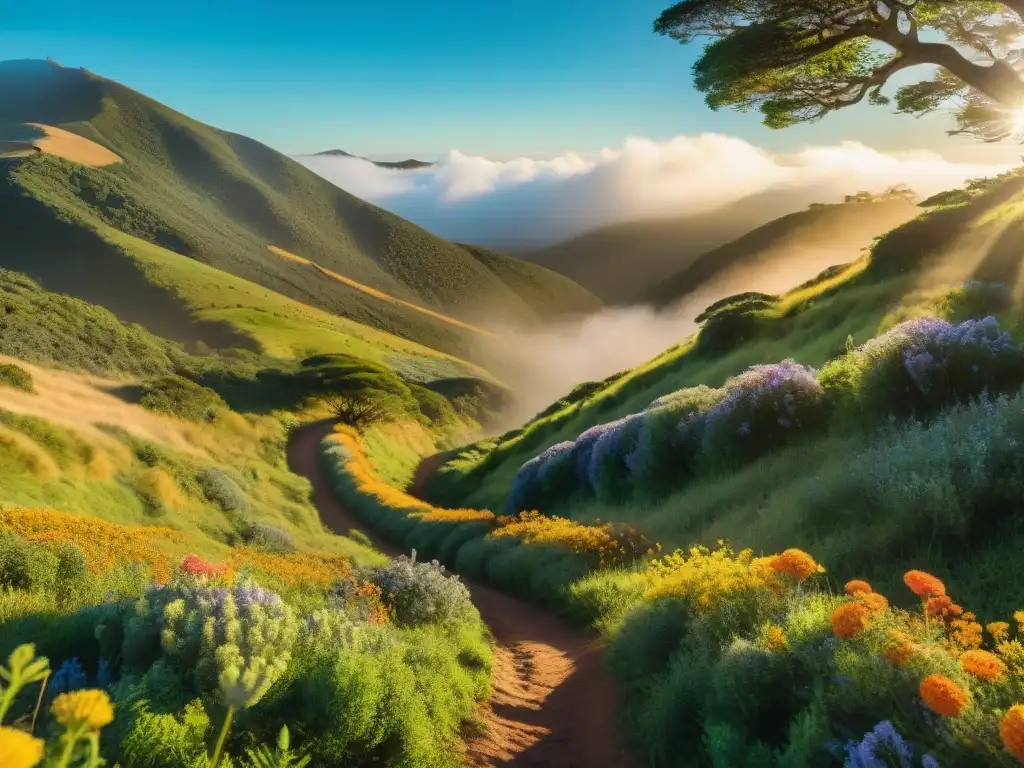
{"points": [[798, 60]]}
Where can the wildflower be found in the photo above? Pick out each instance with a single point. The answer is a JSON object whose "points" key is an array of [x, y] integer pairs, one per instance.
{"points": [[88, 708], [857, 586], [898, 648], [1000, 630], [194, 565], [1011, 730], [942, 607], [775, 639], [923, 584], [943, 696], [19, 749], [966, 632], [874, 602], [849, 620], [796, 564], [983, 664], [881, 742], [1019, 618]]}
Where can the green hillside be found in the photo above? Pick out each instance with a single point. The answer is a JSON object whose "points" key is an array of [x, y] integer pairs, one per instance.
{"points": [[399, 165], [220, 199], [913, 271], [639, 260], [784, 253]]}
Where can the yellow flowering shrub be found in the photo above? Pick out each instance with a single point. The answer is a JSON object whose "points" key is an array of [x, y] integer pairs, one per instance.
{"points": [[704, 577], [293, 569], [609, 546], [104, 544]]}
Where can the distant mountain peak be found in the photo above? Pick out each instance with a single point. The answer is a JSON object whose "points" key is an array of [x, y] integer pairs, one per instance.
{"points": [[401, 165]]}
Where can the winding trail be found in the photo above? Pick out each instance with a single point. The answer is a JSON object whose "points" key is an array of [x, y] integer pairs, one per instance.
{"points": [[553, 703]]}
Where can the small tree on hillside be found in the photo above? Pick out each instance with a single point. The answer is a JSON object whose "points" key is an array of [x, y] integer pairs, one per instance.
{"points": [[361, 409], [798, 60]]}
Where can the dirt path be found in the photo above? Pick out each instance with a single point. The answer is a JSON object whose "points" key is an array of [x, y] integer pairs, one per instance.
{"points": [[553, 702]]}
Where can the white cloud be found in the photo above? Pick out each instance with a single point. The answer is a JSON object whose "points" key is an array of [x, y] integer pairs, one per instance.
{"points": [[527, 202]]}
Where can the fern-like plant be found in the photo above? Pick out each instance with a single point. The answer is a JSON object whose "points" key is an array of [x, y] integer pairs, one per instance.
{"points": [[282, 757]]}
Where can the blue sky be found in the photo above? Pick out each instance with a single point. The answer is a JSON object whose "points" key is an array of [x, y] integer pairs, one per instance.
{"points": [[419, 78]]}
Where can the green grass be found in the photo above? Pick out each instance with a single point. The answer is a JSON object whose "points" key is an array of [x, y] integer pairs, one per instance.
{"points": [[15, 376]]}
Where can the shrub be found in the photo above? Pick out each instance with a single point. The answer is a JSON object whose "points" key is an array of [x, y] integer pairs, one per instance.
{"points": [[977, 299], [732, 321], [524, 491], [556, 475], [764, 407], [923, 365], [422, 593], [434, 407], [15, 376], [25, 565], [267, 538], [220, 488], [609, 470], [183, 398], [669, 440]]}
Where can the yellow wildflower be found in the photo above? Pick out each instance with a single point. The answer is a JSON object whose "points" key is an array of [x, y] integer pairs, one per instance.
{"points": [[1000, 631], [775, 639], [19, 749], [79, 709], [898, 648]]}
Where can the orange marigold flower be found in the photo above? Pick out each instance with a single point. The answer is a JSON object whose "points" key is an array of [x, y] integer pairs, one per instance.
{"points": [[1000, 630], [796, 564], [923, 584], [1011, 730], [857, 586], [983, 664], [898, 648], [942, 607], [943, 696], [849, 620], [874, 602]]}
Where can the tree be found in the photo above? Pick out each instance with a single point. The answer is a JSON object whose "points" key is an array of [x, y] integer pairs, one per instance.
{"points": [[362, 408], [799, 60]]}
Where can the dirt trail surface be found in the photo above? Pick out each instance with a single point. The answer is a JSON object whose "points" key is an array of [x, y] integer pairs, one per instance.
{"points": [[553, 703]]}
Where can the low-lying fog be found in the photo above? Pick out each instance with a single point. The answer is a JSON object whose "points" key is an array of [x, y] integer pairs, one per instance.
{"points": [[520, 204]]}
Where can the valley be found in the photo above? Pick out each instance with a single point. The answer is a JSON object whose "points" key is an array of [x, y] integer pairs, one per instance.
{"points": [[289, 480]]}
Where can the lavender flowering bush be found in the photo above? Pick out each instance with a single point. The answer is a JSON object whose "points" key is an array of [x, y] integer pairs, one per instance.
{"points": [[669, 440], [422, 593], [556, 475], [884, 747], [524, 489], [608, 473], [764, 407], [924, 365]]}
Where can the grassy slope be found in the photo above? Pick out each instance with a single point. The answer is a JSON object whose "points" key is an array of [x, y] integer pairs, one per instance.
{"points": [[785, 252], [222, 199], [620, 263], [759, 506]]}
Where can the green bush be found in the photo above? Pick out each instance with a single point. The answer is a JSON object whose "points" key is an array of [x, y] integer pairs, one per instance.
{"points": [[182, 398], [220, 487], [17, 377], [267, 538], [422, 593]]}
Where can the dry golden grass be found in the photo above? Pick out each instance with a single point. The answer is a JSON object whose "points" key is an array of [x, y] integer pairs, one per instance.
{"points": [[380, 294], [73, 147], [24, 454], [81, 402]]}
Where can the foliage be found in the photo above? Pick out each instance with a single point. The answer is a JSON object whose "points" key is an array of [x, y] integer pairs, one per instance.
{"points": [[222, 489], [732, 321], [799, 67], [17, 377], [923, 365], [422, 593], [763, 408], [182, 398]]}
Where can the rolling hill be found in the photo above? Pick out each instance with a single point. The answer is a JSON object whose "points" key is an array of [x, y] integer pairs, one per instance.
{"points": [[625, 263], [222, 200], [784, 253], [410, 164]]}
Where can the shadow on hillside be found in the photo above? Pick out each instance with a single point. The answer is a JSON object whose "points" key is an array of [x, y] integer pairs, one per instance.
{"points": [[1002, 263], [70, 259], [40, 92]]}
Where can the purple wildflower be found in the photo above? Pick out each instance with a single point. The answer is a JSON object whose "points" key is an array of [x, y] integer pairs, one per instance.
{"points": [[879, 748]]}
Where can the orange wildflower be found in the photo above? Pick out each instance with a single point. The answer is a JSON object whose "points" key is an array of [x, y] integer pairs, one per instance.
{"points": [[1011, 730], [874, 602], [775, 639], [983, 664], [942, 607], [966, 633], [943, 696], [857, 586], [849, 620], [898, 648], [923, 584], [796, 564]]}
